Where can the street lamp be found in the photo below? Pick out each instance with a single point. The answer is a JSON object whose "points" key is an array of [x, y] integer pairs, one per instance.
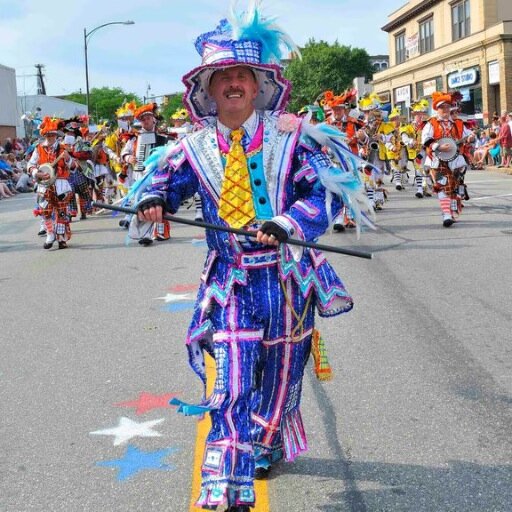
{"points": [[87, 35]]}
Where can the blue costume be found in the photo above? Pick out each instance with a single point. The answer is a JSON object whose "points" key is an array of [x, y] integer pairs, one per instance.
{"points": [[256, 303]]}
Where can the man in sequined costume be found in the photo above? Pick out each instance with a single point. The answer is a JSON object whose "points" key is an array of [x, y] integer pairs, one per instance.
{"points": [[257, 298]]}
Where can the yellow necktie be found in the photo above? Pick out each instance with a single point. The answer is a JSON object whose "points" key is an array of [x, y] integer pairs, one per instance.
{"points": [[235, 205]]}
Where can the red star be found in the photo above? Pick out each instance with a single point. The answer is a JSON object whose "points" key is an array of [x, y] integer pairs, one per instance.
{"points": [[148, 401], [182, 288]]}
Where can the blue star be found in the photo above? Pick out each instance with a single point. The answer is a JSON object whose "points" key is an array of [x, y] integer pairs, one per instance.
{"points": [[136, 460], [176, 307]]}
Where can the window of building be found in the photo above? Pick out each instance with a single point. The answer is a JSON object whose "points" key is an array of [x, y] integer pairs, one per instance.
{"points": [[400, 48], [427, 36], [461, 20], [383, 65]]}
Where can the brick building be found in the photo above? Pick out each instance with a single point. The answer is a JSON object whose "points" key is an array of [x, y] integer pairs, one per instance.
{"points": [[463, 45]]}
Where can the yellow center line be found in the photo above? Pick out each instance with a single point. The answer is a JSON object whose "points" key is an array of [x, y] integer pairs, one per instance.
{"points": [[203, 427]]}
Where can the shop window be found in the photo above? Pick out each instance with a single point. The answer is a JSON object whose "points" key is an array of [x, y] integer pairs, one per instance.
{"points": [[461, 20], [426, 36], [400, 48]]}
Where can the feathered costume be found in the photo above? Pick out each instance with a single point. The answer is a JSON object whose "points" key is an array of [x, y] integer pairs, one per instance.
{"points": [[255, 307]]}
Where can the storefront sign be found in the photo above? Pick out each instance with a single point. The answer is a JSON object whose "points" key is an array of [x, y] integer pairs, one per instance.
{"points": [[466, 94], [429, 86], [494, 72], [463, 78], [403, 94]]}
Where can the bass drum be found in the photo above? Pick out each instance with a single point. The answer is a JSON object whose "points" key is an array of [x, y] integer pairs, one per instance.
{"points": [[451, 154]]}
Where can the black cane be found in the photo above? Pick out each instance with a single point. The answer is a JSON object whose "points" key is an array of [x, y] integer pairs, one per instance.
{"points": [[242, 232]]}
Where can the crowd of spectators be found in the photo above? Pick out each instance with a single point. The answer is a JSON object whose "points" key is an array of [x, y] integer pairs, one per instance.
{"points": [[14, 178]]}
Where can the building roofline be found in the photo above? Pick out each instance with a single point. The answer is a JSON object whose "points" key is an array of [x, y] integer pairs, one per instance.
{"points": [[408, 15]]}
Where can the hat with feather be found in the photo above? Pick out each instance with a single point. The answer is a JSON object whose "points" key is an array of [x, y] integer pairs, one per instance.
{"points": [[420, 106], [51, 126], [126, 110], [345, 99], [144, 110], [245, 39], [369, 102], [441, 98]]}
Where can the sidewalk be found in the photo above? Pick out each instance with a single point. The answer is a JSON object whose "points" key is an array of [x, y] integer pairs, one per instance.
{"points": [[503, 170]]}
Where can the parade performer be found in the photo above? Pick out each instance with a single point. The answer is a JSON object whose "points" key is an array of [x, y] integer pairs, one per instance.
{"points": [[412, 139], [441, 137], [259, 169], [396, 151], [116, 141], [368, 143], [49, 166], [181, 128], [341, 108], [137, 150]]}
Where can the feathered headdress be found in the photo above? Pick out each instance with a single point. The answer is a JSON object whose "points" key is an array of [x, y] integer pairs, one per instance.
{"points": [[369, 102], [150, 108], [420, 106], [438, 98], [345, 99], [180, 114], [51, 125], [126, 110], [245, 39], [396, 112]]}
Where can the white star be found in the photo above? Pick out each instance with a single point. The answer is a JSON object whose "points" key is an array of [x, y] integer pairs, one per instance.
{"points": [[175, 297], [128, 429]]}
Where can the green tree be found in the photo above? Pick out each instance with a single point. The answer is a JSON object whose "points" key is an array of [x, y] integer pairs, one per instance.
{"points": [[325, 67], [104, 101]]}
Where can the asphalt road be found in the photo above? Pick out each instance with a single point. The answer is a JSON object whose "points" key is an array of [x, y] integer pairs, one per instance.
{"points": [[418, 417]]}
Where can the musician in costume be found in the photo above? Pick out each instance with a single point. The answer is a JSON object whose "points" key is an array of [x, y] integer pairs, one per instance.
{"points": [[181, 128], [368, 143], [396, 151], [440, 137], [49, 166], [137, 150], [342, 118], [259, 169], [422, 179]]}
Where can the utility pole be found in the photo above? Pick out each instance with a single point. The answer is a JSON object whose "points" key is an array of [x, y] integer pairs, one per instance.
{"points": [[41, 89]]}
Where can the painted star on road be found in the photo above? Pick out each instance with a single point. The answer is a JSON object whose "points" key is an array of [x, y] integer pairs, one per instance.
{"points": [[174, 297], [136, 460], [128, 428], [147, 401]]}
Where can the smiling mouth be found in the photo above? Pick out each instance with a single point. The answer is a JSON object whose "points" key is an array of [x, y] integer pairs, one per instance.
{"points": [[232, 95]]}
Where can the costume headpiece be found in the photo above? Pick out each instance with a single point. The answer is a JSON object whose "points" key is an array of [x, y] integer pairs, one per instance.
{"points": [[316, 112], [180, 115], [369, 102], [440, 98], [420, 106], [396, 112], [246, 39], [51, 125], [150, 108], [127, 110], [456, 99], [345, 99]]}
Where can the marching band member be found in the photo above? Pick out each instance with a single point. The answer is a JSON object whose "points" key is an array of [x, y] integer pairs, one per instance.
{"points": [[440, 137], [53, 189], [348, 125], [422, 178], [396, 151], [137, 150]]}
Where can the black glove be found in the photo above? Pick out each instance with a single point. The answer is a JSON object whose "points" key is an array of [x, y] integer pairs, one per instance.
{"points": [[272, 228], [150, 202]]}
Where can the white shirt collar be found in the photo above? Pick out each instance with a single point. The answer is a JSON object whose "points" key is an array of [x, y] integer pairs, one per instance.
{"points": [[250, 125]]}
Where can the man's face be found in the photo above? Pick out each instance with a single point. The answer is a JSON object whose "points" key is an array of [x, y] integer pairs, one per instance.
{"points": [[51, 138], [443, 110], [148, 122], [234, 90], [338, 113]]}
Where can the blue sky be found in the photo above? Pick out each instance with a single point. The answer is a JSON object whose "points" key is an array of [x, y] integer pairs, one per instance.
{"points": [[158, 49]]}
